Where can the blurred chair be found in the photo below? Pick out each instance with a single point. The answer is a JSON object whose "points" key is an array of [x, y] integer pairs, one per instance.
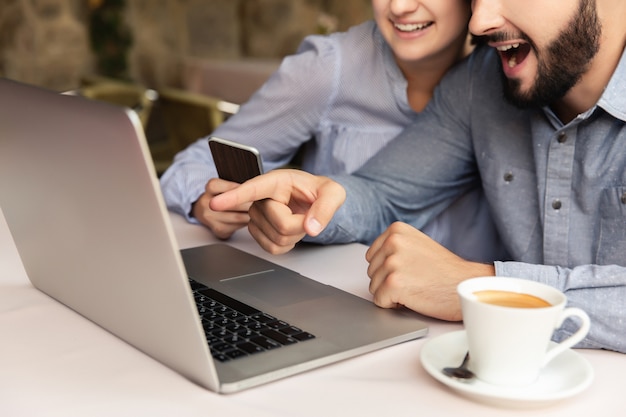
{"points": [[178, 119], [121, 93], [172, 118], [233, 80]]}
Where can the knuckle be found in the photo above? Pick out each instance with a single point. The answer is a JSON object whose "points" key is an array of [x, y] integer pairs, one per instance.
{"points": [[397, 227], [221, 232], [277, 248], [393, 281], [391, 263], [395, 240], [286, 241]]}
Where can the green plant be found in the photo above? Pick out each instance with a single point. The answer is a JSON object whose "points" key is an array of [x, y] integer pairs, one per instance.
{"points": [[110, 37]]}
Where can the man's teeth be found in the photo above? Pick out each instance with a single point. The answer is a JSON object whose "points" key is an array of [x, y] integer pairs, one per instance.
{"points": [[507, 47], [512, 61], [410, 27]]}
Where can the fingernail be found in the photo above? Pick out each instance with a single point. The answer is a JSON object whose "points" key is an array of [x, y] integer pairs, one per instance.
{"points": [[315, 227]]}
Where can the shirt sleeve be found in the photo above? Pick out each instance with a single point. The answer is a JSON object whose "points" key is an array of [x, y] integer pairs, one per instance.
{"points": [[416, 176], [282, 115], [599, 290]]}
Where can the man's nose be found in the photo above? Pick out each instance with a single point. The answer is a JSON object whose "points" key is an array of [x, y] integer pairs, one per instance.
{"points": [[486, 17]]}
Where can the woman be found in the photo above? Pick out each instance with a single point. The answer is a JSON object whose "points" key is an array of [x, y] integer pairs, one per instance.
{"points": [[342, 98]]}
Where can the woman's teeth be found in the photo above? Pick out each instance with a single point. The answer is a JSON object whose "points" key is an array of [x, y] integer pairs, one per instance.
{"points": [[411, 27]]}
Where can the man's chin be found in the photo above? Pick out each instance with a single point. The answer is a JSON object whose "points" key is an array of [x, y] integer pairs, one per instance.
{"points": [[516, 95]]}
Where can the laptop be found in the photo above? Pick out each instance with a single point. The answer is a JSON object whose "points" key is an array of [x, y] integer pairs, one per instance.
{"points": [[82, 201]]}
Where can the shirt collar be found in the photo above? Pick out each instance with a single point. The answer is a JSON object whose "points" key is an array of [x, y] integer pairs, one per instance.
{"points": [[397, 82], [393, 71], [613, 99]]}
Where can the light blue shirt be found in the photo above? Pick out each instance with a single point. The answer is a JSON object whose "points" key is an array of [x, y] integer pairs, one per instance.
{"points": [[557, 192], [343, 98]]}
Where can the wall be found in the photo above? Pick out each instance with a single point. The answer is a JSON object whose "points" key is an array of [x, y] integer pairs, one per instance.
{"points": [[43, 42], [50, 42]]}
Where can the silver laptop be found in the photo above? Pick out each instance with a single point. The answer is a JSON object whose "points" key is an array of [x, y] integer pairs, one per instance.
{"points": [[82, 200]]}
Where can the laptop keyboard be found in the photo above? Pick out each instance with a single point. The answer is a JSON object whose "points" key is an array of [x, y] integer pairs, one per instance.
{"points": [[235, 330]]}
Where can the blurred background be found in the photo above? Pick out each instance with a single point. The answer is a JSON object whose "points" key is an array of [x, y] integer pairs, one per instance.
{"points": [[55, 43], [183, 65]]}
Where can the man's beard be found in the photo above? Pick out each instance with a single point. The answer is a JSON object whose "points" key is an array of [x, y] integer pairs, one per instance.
{"points": [[564, 62]]}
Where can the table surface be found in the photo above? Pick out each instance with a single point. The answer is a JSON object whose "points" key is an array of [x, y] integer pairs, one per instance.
{"points": [[54, 362]]}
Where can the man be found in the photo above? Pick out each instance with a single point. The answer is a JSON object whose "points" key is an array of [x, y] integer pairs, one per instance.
{"points": [[551, 158]]}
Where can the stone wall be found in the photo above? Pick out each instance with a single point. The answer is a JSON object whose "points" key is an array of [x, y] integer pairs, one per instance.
{"points": [[43, 42], [48, 42]]}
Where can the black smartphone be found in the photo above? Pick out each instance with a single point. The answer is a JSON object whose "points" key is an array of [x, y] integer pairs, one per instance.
{"points": [[234, 161]]}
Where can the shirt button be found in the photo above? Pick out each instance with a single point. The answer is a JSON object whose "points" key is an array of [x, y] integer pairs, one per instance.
{"points": [[556, 204], [562, 137], [508, 177]]}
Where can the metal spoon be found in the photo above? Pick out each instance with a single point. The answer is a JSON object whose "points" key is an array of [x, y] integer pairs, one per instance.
{"points": [[461, 373]]}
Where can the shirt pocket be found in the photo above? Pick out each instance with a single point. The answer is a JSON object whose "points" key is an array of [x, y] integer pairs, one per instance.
{"points": [[612, 241], [512, 194]]}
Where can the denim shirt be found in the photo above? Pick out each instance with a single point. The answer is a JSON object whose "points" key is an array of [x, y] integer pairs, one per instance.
{"points": [[557, 191]]}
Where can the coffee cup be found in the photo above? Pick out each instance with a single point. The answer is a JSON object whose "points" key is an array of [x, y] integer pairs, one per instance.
{"points": [[509, 324]]}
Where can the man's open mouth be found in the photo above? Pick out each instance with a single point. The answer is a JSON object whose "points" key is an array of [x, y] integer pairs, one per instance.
{"points": [[513, 54]]}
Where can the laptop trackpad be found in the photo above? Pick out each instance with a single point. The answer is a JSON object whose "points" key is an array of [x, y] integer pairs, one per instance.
{"points": [[278, 288]]}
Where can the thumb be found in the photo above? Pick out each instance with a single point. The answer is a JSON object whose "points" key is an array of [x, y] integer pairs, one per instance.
{"points": [[312, 226], [330, 197]]}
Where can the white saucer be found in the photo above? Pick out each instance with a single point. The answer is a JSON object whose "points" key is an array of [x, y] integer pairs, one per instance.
{"points": [[565, 376]]}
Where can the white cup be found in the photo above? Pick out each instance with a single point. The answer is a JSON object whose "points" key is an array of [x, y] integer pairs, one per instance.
{"points": [[509, 346]]}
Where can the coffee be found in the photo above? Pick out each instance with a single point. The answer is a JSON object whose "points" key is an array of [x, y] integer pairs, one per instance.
{"points": [[510, 346], [510, 299]]}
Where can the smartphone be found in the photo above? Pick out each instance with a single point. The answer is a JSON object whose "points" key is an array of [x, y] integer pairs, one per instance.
{"points": [[234, 161]]}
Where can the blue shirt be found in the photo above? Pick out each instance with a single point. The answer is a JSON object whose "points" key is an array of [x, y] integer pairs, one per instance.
{"points": [[344, 98], [557, 191]]}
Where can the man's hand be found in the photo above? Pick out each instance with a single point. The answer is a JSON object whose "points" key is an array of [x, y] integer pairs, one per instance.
{"points": [[222, 224], [409, 268], [287, 205]]}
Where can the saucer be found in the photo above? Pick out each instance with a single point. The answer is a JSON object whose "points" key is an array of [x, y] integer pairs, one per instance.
{"points": [[565, 376]]}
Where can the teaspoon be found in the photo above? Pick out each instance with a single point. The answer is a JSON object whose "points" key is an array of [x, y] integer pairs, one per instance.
{"points": [[462, 372]]}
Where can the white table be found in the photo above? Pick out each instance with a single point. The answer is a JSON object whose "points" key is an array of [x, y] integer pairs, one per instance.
{"points": [[54, 362]]}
